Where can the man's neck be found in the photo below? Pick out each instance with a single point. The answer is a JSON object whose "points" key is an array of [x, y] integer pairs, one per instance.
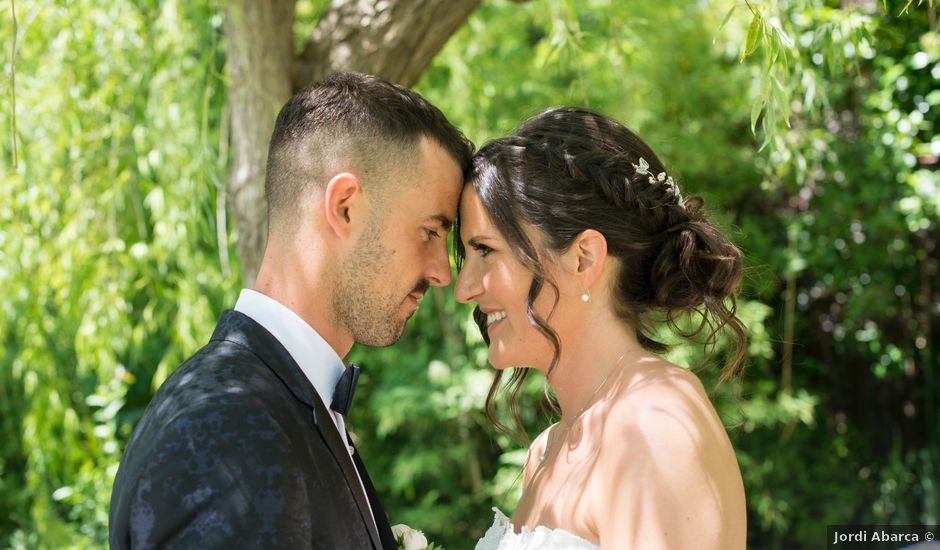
{"points": [[308, 297]]}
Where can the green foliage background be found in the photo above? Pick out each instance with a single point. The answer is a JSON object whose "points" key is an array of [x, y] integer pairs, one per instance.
{"points": [[115, 253]]}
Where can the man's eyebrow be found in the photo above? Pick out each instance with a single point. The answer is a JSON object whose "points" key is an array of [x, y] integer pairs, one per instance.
{"points": [[446, 223]]}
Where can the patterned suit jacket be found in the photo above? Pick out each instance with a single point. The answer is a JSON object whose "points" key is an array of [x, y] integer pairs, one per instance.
{"points": [[237, 450]]}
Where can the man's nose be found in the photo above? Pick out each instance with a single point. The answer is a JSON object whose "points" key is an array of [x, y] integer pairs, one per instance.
{"points": [[438, 270]]}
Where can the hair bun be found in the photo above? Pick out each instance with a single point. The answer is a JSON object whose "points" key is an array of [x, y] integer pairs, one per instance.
{"points": [[696, 265], [694, 207]]}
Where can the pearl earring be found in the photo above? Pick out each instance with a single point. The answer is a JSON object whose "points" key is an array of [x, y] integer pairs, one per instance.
{"points": [[585, 297]]}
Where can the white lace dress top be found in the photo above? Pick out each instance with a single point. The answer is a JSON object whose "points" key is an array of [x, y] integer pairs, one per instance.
{"points": [[502, 536]]}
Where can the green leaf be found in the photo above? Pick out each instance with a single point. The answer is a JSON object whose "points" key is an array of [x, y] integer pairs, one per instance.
{"points": [[727, 17], [778, 30], [757, 106], [753, 35]]}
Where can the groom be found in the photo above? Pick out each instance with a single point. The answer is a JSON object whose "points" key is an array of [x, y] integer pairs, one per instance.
{"points": [[245, 445]]}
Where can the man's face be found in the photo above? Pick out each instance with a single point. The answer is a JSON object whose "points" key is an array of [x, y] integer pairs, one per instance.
{"points": [[403, 251]]}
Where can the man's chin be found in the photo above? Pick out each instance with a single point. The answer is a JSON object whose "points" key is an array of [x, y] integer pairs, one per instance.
{"points": [[385, 340], [401, 332]]}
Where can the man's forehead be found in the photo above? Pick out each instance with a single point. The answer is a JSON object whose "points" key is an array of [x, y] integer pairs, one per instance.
{"points": [[437, 199], [435, 191], [428, 204]]}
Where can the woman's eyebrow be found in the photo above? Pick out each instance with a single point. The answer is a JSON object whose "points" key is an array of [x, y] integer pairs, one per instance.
{"points": [[476, 239]]}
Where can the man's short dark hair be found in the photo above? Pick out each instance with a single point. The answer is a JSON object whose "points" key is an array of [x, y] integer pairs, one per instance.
{"points": [[351, 122]]}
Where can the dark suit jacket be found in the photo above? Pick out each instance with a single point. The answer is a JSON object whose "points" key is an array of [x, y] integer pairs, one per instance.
{"points": [[237, 450]]}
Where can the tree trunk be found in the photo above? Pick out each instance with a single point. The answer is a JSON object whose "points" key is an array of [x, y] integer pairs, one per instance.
{"points": [[260, 53], [395, 39]]}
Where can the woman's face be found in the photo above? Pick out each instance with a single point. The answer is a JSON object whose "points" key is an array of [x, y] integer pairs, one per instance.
{"points": [[498, 283]]}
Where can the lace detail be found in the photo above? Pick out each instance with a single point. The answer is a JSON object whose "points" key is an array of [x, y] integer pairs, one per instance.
{"points": [[502, 536]]}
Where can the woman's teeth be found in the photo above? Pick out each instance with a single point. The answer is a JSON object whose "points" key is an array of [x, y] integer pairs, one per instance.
{"points": [[493, 317]]}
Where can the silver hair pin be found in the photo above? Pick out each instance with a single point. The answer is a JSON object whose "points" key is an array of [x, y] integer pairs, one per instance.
{"points": [[643, 168]]}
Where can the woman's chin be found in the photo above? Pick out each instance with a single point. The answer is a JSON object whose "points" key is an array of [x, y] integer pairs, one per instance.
{"points": [[497, 359], [501, 362], [499, 365], [496, 355], [503, 357]]}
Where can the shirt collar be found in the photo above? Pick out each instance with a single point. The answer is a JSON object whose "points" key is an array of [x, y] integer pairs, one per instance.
{"points": [[318, 361]]}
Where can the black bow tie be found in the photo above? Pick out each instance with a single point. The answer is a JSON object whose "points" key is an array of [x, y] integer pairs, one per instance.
{"points": [[345, 388]]}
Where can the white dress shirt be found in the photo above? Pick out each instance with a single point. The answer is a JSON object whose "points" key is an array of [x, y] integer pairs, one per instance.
{"points": [[318, 361]]}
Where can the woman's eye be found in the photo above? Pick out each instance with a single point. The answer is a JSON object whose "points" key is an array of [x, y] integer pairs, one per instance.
{"points": [[481, 248]]}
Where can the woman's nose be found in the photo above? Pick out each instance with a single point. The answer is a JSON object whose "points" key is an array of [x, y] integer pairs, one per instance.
{"points": [[468, 285]]}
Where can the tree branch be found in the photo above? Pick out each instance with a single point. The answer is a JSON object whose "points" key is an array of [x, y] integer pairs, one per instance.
{"points": [[395, 39]]}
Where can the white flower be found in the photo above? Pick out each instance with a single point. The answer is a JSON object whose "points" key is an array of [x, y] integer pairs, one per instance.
{"points": [[408, 538]]}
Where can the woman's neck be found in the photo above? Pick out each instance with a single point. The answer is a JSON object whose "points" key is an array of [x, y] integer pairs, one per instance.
{"points": [[588, 362]]}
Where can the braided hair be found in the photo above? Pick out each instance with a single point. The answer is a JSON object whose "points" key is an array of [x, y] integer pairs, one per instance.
{"points": [[570, 169]]}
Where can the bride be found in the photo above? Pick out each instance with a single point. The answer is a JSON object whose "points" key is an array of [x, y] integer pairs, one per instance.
{"points": [[576, 246]]}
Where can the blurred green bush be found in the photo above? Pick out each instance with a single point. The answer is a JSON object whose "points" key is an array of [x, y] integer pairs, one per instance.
{"points": [[115, 258]]}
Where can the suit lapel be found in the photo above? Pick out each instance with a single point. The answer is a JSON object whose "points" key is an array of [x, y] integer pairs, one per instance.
{"points": [[240, 329], [329, 433]]}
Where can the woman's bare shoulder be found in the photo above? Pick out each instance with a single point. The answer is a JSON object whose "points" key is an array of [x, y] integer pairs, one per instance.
{"points": [[666, 453], [656, 385], [661, 411]]}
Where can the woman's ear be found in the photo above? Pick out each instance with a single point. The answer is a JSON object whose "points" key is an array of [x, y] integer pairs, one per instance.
{"points": [[587, 256], [344, 204]]}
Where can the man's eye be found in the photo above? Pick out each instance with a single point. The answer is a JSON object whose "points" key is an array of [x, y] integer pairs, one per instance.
{"points": [[432, 234]]}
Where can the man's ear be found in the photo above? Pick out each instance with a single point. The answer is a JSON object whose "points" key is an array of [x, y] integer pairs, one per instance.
{"points": [[586, 257], [344, 204]]}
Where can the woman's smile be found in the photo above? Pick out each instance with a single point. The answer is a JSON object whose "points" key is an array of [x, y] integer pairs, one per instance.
{"points": [[494, 319]]}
